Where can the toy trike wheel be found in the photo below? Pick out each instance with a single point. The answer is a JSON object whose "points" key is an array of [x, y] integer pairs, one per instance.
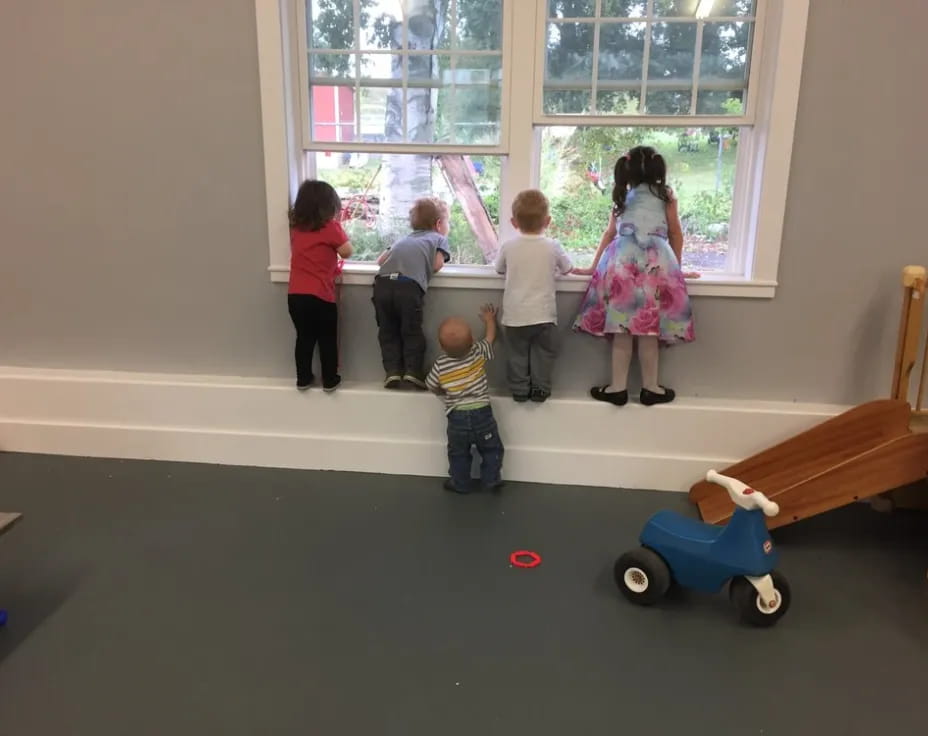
{"points": [[752, 609], [643, 576]]}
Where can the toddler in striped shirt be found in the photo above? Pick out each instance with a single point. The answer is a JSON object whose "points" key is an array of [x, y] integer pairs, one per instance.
{"points": [[459, 376]]}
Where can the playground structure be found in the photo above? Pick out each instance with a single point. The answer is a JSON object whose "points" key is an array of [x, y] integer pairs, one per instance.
{"points": [[865, 453]]}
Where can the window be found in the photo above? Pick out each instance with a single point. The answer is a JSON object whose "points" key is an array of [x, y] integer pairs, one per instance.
{"points": [[474, 100], [385, 77]]}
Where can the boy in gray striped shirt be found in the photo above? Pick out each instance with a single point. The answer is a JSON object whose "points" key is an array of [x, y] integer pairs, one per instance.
{"points": [[459, 376]]}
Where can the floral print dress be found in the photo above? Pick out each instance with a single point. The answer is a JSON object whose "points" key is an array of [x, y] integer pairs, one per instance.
{"points": [[638, 287]]}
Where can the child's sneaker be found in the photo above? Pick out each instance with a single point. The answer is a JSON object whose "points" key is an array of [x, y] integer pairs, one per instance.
{"points": [[448, 485], [332, 386], [520, 398], [540, 395], [393, 382], [415, 381]]}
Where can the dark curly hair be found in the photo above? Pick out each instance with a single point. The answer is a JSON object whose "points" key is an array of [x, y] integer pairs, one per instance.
{"points": [[316, 203], [641, 165]]}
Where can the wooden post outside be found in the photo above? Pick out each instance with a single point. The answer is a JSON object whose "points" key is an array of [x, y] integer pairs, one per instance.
{"points": [[910, 324], [459, 174]]}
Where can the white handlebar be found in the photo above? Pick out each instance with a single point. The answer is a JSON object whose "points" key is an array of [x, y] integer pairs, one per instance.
{"points": [[743, 495]]}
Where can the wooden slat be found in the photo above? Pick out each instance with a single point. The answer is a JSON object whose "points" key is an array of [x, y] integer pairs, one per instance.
{"points": [[910, 327], [894, 464], [818, 449]]}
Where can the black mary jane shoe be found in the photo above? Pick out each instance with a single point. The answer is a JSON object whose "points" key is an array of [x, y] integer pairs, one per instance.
{"points": [[618, 398], [649, 398]]}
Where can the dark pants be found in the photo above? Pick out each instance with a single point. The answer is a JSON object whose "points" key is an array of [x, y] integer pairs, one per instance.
{"points": [[469, 428], [531, 351], [316, 321], [398, 306]]}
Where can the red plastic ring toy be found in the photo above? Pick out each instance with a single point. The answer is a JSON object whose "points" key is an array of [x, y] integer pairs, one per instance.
{"points": [[533, 561]]}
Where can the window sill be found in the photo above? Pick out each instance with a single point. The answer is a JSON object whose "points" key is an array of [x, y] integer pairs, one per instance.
{"points": [[484, 277]]}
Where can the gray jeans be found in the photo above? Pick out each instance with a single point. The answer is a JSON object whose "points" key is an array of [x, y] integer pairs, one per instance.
{"points": [[532, 350]]}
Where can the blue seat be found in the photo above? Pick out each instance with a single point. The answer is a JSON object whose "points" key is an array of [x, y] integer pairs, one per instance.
{"points": [[673, 525]]}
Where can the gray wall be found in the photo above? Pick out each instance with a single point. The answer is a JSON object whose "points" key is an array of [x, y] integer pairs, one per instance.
{"points": [[133, 225]]}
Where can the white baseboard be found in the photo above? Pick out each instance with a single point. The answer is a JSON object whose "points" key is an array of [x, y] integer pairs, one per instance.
{"points": [[226, 420]]}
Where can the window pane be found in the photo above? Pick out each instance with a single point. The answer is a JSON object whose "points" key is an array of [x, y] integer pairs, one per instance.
{"points": [[673, 51], [332, 113], [624, 8], [571, 8], [717, 102], [330, 24], [378, 190], [332, 66], [719, 8], [381, 114], [570, 53], [621, 52], [725, 51], [566, 102], [668, 102], [479, 25], [475, 100], [576, 174], [618, 103], [382, 66], [381, 23], [723, 8]]}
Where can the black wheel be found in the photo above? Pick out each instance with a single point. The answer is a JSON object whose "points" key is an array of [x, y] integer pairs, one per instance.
{"points": [[752, 609], [642, 576]]}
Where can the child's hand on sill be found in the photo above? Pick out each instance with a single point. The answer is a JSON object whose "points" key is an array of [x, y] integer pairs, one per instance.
{"points": [[581, 272], [692, 275]]}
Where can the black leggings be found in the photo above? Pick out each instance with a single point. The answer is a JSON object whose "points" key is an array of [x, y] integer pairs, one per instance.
{"points": [[316, 321]]}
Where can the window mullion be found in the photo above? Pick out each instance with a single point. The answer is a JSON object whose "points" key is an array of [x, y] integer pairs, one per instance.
{"points": [[520, 170], [646, 55], [697, 65], [594, 106], [356, 13], [453, 92]]}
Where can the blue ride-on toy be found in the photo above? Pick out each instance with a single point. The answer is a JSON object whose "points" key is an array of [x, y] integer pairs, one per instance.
{"points": [[675, 548]]}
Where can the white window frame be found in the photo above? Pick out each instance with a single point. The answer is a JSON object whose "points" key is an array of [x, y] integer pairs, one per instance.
{"points": [[765, 147]]}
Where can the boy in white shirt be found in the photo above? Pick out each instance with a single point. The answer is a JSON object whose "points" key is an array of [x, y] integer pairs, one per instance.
{"points": [[531, 263]]}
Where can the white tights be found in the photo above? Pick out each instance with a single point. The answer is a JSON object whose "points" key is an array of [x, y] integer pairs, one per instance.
{"points": [[622, 345]]}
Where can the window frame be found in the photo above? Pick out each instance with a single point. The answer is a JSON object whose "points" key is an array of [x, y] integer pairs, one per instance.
{"points": [[762, 170]]}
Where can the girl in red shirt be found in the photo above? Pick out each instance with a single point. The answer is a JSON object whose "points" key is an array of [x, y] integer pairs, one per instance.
{"points": [[316, 243]]}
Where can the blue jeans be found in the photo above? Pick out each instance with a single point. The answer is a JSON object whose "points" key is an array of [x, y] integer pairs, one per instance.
{"points": [[469, 428]]}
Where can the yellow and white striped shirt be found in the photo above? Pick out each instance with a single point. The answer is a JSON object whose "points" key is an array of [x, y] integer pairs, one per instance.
{"points": [[462, 382]]}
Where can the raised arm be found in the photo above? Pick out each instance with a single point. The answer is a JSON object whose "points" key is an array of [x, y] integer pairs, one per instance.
{"points": [[608, 237], [488, 315]]}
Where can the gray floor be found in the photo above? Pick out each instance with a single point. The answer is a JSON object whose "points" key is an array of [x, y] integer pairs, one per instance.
{"points": [[159, 598]]}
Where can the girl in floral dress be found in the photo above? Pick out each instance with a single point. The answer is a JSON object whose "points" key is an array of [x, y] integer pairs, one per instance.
{"points": [[638, 288]]}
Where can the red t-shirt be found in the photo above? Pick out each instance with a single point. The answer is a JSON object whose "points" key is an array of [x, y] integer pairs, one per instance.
{"points": [[313, 260]]}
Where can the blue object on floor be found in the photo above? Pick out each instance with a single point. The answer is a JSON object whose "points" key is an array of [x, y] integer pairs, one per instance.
{"points": [[675, 548], [3, 618]]}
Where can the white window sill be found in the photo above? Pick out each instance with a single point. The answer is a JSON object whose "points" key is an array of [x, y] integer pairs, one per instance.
{"points": [[484, 277]]}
